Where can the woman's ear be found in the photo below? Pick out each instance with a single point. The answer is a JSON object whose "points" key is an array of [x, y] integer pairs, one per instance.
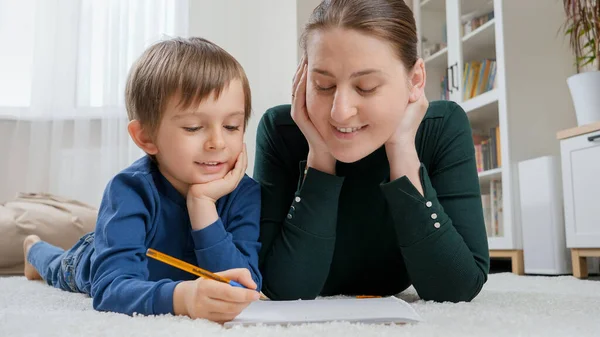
{"points": [[417, 79], [141, 138]]}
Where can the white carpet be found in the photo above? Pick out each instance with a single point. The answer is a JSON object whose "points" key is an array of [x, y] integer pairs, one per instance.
{"points": [[509, 305]]}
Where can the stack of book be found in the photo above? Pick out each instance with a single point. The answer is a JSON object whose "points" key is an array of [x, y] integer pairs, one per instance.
{"points": [[493, 209], [473, 23], [487, 150], [478, 77], [445, 89]]}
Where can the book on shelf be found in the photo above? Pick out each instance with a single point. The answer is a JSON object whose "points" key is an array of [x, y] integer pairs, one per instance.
{"points": [[486, 203], [478, 77], [493, 210], [445, 90], [488, 154], [471, 22], [429, 48]]}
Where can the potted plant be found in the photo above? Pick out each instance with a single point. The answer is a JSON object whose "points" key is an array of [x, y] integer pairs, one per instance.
{"points": [[582, 26]]}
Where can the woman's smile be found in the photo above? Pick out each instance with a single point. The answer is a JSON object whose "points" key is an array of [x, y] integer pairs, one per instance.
{"points": [[348, 133]]}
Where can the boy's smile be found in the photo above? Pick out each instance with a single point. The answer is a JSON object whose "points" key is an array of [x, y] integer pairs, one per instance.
{"points": [[211, 166]]}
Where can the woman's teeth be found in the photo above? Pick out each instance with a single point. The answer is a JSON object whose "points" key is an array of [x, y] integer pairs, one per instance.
{"points": [[211, 163], [349, 130]]}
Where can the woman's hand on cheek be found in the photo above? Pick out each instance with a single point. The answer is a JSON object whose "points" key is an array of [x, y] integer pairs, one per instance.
{"points": [[409, 124], [400, 148], [319, 156]]}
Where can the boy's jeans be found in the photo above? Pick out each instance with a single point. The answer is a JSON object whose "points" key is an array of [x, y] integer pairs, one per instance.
{"points": [[66, 270]]}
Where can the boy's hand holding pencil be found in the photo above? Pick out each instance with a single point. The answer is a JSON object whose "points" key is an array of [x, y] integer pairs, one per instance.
{"points": [[214, 300], [219, 297]]}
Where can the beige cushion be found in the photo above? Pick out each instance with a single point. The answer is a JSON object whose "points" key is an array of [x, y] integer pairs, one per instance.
{"points": [[54, 219]]}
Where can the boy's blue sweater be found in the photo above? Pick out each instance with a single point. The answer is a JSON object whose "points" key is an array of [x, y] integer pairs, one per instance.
{"points": [[141, 209]]}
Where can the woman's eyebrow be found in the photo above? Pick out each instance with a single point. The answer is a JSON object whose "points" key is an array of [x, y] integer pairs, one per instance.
{"points": [[355, 74], [364, 72]]}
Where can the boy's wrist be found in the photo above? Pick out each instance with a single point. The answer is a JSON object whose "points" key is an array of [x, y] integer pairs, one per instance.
{"points": [[202, 212], [179, 296]]}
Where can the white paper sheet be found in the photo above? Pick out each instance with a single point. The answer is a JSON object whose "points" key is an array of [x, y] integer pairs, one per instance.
{"points": [[367, 310]]}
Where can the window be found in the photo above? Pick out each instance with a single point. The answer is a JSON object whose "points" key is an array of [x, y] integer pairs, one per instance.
{"points": [[64, 58]]}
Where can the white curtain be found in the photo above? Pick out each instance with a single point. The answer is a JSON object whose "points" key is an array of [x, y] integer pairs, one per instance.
{"points": [[63, 67]]}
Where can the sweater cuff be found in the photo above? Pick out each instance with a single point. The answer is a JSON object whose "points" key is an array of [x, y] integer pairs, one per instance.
{"points": [[415, 216], [164, 298], [316, 199], [209, 236]]}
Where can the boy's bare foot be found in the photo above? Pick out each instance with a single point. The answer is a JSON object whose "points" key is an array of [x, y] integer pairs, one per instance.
{"points": [[30, 271]]}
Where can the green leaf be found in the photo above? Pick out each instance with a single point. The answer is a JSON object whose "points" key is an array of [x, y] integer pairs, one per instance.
{"points": [[590, 60]]}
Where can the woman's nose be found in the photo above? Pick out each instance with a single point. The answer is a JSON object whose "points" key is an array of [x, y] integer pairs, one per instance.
{"points": [[342, 108]]}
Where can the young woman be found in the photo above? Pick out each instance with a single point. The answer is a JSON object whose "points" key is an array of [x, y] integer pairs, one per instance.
{"points": [[366, 187]]}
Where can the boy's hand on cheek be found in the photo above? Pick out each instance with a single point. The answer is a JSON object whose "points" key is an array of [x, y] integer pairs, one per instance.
{"points": [[215, 189], [201, 198]]}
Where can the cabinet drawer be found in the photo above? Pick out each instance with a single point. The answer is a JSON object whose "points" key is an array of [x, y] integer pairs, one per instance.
{"points": [[581, 183]]}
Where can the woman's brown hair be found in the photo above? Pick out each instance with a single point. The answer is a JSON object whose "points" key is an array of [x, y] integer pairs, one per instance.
{"points": [[390, 20]]}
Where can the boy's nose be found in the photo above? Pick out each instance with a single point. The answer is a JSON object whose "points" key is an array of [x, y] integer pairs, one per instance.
{"points": [[216, 141]]}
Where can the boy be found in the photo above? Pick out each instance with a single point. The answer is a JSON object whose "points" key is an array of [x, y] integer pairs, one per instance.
{"points": [[188, 103]]}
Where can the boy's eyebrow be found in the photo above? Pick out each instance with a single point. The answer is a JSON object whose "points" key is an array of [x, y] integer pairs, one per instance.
{"points": [[356, 74], [185, 114]]}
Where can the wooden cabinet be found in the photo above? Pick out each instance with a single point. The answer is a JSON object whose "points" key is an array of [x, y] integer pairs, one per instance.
{"points": [[580, 156]]}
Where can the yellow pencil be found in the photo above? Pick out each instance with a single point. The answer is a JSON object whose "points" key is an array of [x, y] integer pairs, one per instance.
{"points": [[190, 268]]}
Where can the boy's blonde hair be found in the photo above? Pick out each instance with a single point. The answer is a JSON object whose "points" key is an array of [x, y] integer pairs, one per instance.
{"points": [[189, 68]]}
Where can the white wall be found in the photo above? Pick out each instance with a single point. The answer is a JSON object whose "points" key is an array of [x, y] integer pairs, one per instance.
{"points": [[262, 36], [304, 9]]}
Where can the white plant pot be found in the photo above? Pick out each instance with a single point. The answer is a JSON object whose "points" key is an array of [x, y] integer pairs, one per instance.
{"points": [[585, 92]]}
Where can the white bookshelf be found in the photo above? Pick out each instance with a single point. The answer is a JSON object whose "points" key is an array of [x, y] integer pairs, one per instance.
{"points": [[480, 43], [438, 59], [486, 177], [530, 102], [433, 5], [482, 109]]}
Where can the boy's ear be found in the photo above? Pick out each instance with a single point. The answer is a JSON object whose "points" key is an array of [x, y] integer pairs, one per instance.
{"points": [[417, 80], [141, 138]]}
